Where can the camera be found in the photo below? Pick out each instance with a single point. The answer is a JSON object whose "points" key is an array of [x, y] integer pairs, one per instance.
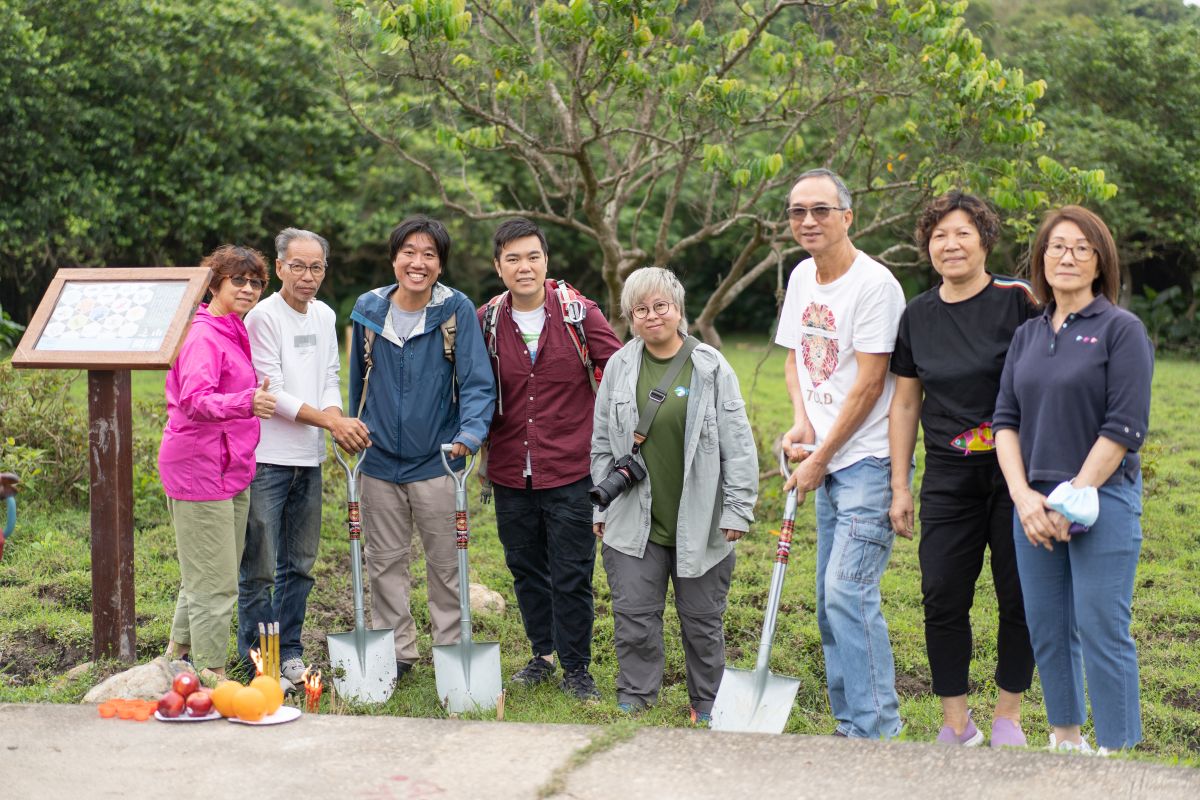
{"points": [[625, 473]]}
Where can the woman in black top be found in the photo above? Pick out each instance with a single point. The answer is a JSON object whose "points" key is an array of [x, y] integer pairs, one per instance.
{"points": [[948, 359]]}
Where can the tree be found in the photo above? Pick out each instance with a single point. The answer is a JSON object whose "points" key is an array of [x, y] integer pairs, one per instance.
{"points": [[148, 131], [1126, 94], [652, 127]]}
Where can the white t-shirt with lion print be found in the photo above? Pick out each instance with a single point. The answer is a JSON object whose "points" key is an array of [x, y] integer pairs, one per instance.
{"points": [[826, 324]]}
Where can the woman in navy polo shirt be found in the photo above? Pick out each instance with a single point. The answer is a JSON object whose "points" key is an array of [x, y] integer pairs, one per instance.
{"points": [[1073, 411], [949, 354]]}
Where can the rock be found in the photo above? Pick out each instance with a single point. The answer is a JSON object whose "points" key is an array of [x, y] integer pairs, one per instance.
{"points": [[143, 682], [74, 673], [485, 601]]}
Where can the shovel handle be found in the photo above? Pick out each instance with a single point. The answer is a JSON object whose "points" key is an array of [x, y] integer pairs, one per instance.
{"points": [[459, 481]]}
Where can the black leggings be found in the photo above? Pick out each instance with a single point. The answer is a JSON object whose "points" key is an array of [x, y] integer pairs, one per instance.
{"points": [[965, 509]]}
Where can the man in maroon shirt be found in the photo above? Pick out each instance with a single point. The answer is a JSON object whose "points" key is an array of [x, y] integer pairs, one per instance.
{"points": [[538, 450]]}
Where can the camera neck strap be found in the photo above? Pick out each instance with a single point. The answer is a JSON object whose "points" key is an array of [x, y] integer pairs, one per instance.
{"points": [[659, 393]]}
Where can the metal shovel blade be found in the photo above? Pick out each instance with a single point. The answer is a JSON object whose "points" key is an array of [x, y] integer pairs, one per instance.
{"points": [[753, 702], [364, 664], [467, 675]]}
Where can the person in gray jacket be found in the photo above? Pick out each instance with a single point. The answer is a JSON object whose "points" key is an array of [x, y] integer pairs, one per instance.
{"points": [[701, 480]]}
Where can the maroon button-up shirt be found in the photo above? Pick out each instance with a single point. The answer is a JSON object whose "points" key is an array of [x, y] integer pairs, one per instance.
{"points": [[547, 404]]}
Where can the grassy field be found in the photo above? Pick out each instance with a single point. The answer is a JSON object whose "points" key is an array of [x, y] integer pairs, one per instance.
{"points": [[45, 593]]}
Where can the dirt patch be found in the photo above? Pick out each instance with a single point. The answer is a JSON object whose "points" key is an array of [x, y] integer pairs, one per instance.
{"points": [[910, 684], [66, 596], [1185, 699], [29, 656]]}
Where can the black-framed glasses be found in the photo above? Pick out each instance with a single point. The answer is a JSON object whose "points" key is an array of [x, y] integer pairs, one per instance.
{"points": [[241, 280], [1082, 252], [819, 213], [660, 308], [317, 269]]}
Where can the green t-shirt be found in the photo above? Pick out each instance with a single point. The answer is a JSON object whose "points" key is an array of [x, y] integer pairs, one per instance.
{"points": [[663, 448]]}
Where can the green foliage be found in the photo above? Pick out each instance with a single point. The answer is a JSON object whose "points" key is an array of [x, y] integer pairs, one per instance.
{"points": [[1127, 95], [10, 332], [45, 437], [149, 131], [1170, 317], [656, 129]]}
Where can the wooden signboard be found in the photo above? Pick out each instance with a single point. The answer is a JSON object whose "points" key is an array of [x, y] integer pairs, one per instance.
{"points": [[109, 321]]}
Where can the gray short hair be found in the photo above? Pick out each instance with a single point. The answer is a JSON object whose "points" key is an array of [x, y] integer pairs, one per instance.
{"points": [[843, 193], [288, 235], [647, 281]]}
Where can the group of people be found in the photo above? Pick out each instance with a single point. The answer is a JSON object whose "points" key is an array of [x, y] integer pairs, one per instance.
{"points": [[1034, 400]]}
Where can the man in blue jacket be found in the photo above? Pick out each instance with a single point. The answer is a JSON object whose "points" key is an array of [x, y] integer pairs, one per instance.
{"points": [[428, 382]]}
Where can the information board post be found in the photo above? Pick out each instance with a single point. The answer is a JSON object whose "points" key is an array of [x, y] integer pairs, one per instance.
{"points": [[109, 321], [110, 447]]}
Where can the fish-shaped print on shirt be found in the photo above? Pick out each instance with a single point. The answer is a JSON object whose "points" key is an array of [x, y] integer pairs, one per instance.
{"points": [[976, 440]]}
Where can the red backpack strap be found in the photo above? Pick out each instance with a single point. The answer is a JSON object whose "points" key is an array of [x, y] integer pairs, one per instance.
{"points": [[574, 310], [491, 319]]}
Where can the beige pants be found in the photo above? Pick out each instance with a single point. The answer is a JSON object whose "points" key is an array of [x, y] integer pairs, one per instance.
{"points": [[390, 513], [209, 537]]}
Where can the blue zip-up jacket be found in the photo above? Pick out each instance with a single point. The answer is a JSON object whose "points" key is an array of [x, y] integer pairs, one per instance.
{"points": [[410, 406]]}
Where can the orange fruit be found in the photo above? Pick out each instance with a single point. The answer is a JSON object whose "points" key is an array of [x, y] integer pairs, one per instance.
{"points": [[108, 710], [249, 704], [222, 697], [271, 690]]}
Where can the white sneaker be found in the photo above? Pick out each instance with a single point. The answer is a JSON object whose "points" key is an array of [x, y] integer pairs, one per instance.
{"points": [[1082, 747], [293, 669]]}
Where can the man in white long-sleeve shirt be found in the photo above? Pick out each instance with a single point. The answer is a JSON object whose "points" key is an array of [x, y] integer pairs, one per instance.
{"points": [[293, 342]]}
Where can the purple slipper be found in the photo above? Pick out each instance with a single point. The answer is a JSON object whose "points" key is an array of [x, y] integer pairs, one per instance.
{"points": [[970, 737], [1006, 733]]}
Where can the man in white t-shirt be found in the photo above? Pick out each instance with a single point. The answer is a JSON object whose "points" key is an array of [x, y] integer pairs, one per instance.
{"points": [[293, 343], [839, 324]]}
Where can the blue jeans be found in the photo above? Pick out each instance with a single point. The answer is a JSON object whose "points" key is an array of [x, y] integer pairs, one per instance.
{"points": [[1078, 605], [282, 534], [854, 543]]}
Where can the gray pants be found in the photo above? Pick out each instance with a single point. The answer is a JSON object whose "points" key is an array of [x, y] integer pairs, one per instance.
{"points": [[639, 596]]}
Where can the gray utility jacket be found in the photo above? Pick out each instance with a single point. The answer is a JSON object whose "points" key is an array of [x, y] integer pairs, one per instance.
{"points": [[720, 460]]}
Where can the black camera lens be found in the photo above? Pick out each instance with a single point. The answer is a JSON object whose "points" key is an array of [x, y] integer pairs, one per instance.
{"points": [[625, 473]]}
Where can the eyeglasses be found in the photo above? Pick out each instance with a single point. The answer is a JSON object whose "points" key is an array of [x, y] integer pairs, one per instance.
{"points": [[1082, 252], [660, 307], [317, 270], [241, 280], [819, 213]]}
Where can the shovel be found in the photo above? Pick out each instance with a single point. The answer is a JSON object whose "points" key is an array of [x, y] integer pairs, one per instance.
{"points": [[467, 673], [759, 701], [363, 661]]}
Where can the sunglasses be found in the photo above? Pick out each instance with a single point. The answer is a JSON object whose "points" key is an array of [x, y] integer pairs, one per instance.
{"points": [[241, 280]]}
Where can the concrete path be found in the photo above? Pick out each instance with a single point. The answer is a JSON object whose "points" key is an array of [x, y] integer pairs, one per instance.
{"points": [[52, 751]]}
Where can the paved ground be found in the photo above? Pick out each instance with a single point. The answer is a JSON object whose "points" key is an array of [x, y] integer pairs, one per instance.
{"points": [[49, 752]]}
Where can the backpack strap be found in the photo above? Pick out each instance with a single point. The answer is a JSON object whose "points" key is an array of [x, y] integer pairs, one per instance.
{"points": [[368, 343], [491, 319], [449, 334], [574, 311]]}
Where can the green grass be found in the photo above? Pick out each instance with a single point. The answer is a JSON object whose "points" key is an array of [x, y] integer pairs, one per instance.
{"points": [[45, 625]]}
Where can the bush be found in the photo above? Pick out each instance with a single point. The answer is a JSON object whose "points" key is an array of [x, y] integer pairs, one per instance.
{"points": [[45, 437], [1170, 317]]}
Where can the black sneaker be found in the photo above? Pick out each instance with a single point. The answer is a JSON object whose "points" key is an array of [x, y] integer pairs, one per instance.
{"points": [[537, 671], [578, 682], [402, 669]]}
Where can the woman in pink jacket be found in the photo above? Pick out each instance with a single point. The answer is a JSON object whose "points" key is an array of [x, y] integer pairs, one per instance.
{"points": [[207, 455]]}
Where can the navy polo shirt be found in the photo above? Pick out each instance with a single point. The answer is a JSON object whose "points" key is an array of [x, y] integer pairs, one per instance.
{"points": [[1062, 390]]}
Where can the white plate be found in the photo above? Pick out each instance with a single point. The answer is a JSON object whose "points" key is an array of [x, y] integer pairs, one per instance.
{"points": [[282, 715], [214, 714]]}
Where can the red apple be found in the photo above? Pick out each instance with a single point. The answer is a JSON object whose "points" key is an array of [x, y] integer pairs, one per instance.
{"points": [[186, 683], [170, 704], [199, 704]]}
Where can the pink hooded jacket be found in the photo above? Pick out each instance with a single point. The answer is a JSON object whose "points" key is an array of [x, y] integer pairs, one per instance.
{"points": [[207, 450]]}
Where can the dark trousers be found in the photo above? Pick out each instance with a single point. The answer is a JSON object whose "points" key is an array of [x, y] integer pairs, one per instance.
{"points": [[965, 509], [551, 551]]}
